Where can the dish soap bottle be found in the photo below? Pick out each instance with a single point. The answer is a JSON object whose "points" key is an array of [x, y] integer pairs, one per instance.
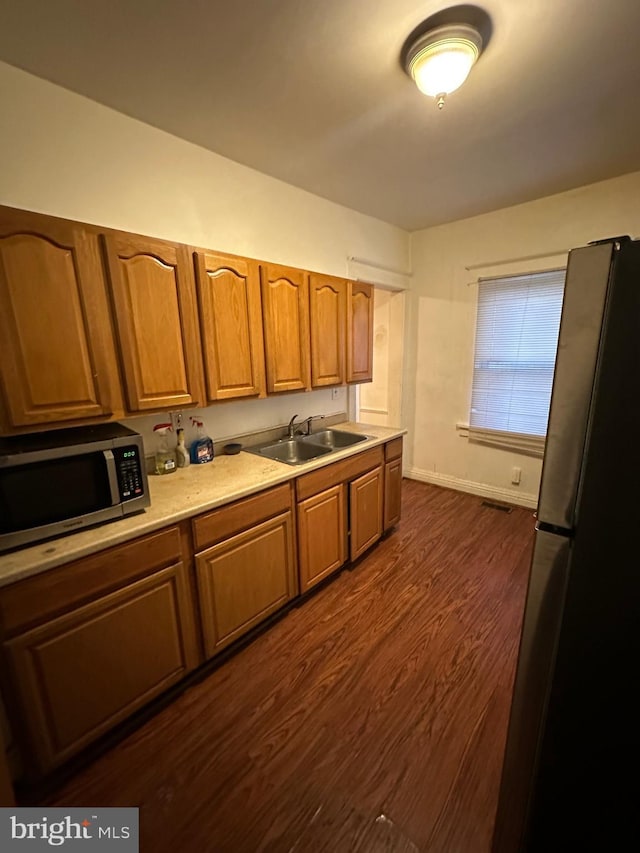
{"points": [[182, 454], [201, 449], [165, 457]]}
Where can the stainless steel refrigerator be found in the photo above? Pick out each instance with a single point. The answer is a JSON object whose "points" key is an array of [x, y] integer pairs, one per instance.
{"points": [[572, 761]]}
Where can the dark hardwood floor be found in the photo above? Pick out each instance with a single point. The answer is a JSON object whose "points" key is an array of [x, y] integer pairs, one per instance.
{"points": [[372, 718]]}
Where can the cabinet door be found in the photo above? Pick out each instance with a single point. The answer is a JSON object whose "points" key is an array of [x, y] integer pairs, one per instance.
{"points": [[80, 674], [285, 307], [322, 535], [156, 319], [7, 797], [231, 326], [365, 510], [244, 579], [328, 307], [58, 361], [392, 492], [359, 332]]}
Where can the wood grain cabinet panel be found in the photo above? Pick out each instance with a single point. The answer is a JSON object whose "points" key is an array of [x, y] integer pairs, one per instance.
{"points": [[338, 472], [224, 522], [392, 493], [392, 482], [7, 797], [285, 314], [244, 579], [58, 361], [393, 449], [365, 499], [230, 326], [359, 332], [156, 319], [322, 535], [78, 675], [328, 311], [43, 596]]}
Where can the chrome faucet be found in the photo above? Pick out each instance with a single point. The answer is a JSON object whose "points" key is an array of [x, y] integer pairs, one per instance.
{"points": [[294, 428], [291, 429]]}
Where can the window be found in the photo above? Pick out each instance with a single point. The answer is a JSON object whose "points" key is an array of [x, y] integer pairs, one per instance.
{"points": [[516, 340]]}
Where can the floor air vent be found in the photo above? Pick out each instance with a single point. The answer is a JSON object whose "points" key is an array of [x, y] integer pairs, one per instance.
{"points": [[501, 507]]}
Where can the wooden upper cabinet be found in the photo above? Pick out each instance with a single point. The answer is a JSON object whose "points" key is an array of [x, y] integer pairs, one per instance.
{"points": [[359, 332], [58, 359], [285, 314], [154, 297], [231, 326], [328, 308]]}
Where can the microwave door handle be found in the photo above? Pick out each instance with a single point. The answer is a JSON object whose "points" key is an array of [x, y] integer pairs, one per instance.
{"points": [[110, 460]]}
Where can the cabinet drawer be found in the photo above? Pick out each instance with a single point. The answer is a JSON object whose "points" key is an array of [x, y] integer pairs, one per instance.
{"points": [[76, 676], [227, 520], [317, 481], [33, 600], [393, 449]]}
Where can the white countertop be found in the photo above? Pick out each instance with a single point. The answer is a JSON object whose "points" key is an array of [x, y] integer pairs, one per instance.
{"points": [[187, 492]]}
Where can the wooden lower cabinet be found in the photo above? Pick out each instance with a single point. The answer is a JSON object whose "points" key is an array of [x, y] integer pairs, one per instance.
{"points": [[7, 797], [365, 499], [392, 482], [79, 674], [340, 513], [245, 578], [322, 535], [86, 644], [392, 493]]}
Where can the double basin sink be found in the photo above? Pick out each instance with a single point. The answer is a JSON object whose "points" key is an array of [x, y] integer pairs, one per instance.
{"points": [[304, 448]]}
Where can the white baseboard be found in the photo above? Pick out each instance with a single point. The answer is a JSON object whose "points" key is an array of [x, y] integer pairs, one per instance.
{"points": [[481, 489]]}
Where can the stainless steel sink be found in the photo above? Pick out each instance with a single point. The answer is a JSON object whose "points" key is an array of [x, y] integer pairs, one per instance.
{"points": [[334, 438], [293, 451], [304, 448]]}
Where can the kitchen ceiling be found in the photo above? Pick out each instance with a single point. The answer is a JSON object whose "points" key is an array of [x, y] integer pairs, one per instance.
{"points": [[313, 93]]}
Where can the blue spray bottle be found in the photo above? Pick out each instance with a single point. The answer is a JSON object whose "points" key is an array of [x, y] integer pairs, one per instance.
{"points": [[201, 449]]}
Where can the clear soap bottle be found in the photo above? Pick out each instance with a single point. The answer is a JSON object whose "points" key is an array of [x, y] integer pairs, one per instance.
{"points": [[165, 456], [182, 454]]}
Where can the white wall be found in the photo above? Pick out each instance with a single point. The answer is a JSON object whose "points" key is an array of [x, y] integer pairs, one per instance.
{"points": [[441, 322], [65, 155]]}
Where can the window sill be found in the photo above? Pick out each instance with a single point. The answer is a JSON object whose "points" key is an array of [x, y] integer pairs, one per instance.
{"points": [[530, 445]]}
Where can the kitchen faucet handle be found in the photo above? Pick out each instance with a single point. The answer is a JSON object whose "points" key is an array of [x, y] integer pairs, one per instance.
{"points": [[308, 421]]}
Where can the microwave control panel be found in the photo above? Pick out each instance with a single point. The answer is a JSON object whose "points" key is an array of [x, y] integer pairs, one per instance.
{"points": [[130, 481]]}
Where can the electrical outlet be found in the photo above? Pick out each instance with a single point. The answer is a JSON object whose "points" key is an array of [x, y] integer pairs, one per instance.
{"points": [[515, 476], [334, 393]]}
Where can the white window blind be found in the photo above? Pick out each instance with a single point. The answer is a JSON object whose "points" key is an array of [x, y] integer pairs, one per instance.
{"points": [[516, 340]]}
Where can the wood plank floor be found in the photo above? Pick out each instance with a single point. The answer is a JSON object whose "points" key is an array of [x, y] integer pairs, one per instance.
{"points": [[372, 718]]}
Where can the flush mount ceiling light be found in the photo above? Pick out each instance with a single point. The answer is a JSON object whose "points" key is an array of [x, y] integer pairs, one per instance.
{"points": [[440, 59]]}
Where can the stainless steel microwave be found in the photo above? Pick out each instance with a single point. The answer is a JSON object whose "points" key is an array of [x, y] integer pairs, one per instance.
{"points": [[57, 482]]}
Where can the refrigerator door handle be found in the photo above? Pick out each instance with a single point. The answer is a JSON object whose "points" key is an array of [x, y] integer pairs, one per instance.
{"points": [[540, 633]]}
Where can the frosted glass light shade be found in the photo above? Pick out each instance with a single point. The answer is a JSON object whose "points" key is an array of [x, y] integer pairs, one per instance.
{"points": [[441, 60]]}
